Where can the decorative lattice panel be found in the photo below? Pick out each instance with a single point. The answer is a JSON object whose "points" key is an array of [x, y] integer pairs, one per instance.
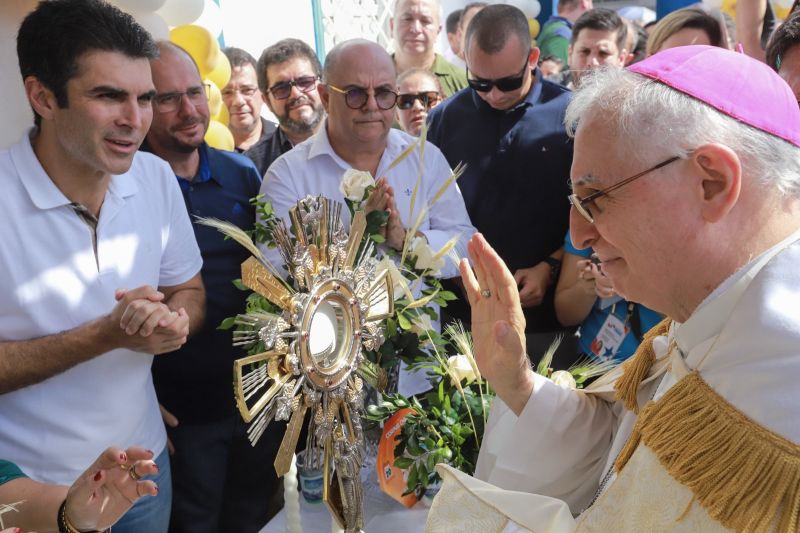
{"points": [[348, 19]]}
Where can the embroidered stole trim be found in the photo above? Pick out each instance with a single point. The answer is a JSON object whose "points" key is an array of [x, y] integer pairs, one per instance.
{"points": [[638, 366], [741, 473]]}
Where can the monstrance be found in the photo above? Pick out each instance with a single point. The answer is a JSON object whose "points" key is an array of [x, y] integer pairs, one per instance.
{"points": [[333, 307]]}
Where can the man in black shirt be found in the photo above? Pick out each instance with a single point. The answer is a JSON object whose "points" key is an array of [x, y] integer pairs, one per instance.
{"points": [[288, 73], [508, 129]]}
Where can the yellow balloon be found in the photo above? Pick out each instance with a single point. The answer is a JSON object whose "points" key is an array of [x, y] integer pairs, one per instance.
{"points": [[223, 117], [533, 25], [219, 136], [214, 98], [201, 45], [221, 72]]}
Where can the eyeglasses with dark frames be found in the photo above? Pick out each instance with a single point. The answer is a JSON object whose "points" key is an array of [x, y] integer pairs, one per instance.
{"points": [[428, 99], [169, 102], [507, 84], [584, 206], [247, 91], [304, 84], [357, 97]]}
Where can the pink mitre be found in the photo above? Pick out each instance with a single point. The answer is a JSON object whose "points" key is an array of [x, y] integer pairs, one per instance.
{"points": [[731, 82]]}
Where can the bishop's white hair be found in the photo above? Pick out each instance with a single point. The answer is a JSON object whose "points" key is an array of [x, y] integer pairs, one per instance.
{"points": [[652, 118]]}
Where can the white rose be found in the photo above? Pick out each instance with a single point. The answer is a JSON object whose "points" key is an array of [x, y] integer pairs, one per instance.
{"points": [[460, 368], [399, 282], [354, 183], [426, 259], [564, 379]]}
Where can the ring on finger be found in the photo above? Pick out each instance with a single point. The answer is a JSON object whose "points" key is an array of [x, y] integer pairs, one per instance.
{"points": [[132, 472], [486, 293]]}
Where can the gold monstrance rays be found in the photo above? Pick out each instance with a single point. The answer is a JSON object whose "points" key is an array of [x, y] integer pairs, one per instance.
{"points": [[313, 361]]}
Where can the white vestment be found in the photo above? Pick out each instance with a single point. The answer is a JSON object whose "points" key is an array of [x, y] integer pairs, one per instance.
{"points": [[743, 341]]}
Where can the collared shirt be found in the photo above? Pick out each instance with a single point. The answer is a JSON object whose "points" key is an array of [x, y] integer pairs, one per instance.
{"points": [[194, 383], [313, 168], [517, 178], [451, 78], [267, 129], [54, 281], [268, 149]]}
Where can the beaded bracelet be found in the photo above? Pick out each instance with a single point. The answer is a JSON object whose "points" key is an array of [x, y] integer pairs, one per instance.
{"points": [[65, 526]]}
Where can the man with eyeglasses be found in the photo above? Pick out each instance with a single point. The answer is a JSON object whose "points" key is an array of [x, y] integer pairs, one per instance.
{"points": [[700, 430], [288, 73], [358, 91], [214, 468], [243, 101], [415, 26], [508, 129]]}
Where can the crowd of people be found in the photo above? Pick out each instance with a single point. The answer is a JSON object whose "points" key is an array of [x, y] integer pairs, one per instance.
{"points": [[108, 330]]}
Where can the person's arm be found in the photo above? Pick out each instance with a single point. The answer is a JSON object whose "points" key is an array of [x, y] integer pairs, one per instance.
{"points": [[575, 291], [540, 437], [749, 23], [534, 281], [22, 362], [97, 499]]}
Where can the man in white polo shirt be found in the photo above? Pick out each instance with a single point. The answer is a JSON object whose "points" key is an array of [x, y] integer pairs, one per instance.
{"points": [[90, 228]]}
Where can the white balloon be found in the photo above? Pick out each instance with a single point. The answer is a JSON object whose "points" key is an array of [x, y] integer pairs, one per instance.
{"points": [[139, 6], [713, 4], [180, 12], [211, 19], [531, 8], [154, 24]]}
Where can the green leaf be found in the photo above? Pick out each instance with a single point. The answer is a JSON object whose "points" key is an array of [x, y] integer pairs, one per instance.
{"points": [[403, 462], [403, 321], [239, 285], [447, 295], [378, 238], [228, 323]]}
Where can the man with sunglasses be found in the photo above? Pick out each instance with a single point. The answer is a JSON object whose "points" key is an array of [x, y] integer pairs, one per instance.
{"points": [[508, 129], [359, 95], [214, 467], [288, 73]]}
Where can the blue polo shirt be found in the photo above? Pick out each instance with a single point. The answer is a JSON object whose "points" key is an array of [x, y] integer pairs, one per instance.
{"points": [[517, 178], [195, 382]]}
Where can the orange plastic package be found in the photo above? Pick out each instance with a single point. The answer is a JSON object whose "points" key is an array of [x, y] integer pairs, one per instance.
{"points": [[392, 479]]}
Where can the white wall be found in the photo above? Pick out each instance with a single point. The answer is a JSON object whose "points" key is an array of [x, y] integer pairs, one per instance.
{"points": [[17, 114]]}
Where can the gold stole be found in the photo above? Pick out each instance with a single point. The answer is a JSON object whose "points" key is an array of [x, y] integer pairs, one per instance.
{"points": [[745, 476]]}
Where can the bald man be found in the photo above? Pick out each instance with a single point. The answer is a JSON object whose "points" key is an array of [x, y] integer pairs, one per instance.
{"points": [[415, 25], [359, 94], [221, 483]]}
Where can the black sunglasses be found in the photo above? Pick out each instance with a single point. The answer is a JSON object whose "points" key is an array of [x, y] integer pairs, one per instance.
{"points": [[428, 99], [283, 89], [510, 83]]}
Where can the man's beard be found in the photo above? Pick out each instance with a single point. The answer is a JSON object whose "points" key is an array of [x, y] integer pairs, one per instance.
{"points": [[184, 147], [301, 127]]}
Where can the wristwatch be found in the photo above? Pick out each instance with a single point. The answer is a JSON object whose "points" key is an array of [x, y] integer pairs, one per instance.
{"points": [[555, 268]]}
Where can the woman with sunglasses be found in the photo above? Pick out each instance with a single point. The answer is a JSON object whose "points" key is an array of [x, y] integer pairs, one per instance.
{"points": [[419, 93]]}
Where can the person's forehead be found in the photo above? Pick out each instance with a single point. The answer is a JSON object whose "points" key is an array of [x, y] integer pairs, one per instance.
{"points": [[507, 62], [598, 159], [417, 82], [365, 66], [113, 69], [428, 8], [174, 70], [291, 68], [589, 38], [243, 74]]}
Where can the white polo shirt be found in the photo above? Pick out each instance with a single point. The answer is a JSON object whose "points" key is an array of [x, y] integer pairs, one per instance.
{"points": [[52, 282]]}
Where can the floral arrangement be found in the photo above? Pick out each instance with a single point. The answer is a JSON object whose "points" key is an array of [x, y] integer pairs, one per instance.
{"points": [[447, 422]]}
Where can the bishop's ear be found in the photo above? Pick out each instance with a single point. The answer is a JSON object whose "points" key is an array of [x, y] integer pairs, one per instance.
{"points": [[720, 172]]}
